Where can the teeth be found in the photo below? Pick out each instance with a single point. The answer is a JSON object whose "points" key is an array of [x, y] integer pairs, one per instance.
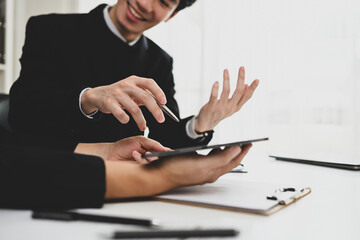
{"points": [[133, 12]]}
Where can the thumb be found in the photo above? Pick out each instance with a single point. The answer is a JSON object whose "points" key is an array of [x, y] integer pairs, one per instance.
{"points": [[137, 156], [152, 145]]}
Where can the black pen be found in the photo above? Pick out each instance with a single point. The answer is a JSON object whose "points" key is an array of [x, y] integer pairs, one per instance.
{"points": [[73, 216], [176, 233]]}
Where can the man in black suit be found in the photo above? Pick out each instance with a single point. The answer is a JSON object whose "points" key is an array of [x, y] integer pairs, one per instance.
{"points": [[32, 176], [84, 77]]}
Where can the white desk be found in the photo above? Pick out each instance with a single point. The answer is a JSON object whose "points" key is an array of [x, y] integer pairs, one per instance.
{"points": [[331, 211]]}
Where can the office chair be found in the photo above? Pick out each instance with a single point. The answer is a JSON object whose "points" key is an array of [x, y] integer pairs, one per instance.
{"points": [[4, 111]]}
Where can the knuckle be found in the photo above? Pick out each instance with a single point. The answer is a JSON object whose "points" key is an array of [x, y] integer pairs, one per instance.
{"points": [[132, 77], [134, 109], [238, 91], [108, 101], [149, 80], [123, 117], [145, 97]]}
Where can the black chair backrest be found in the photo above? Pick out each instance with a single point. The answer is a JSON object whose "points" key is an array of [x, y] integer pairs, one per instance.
{"points": [[4, 111]]}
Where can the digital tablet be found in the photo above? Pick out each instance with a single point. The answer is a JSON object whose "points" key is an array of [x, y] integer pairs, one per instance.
{"points": [[181, 151]]}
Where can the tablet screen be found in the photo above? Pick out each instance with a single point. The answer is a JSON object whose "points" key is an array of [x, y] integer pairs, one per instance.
{"points": [[181, 151]]}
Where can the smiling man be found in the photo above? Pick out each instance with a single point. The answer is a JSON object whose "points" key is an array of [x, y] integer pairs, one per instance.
{"points": [[85, 76]]}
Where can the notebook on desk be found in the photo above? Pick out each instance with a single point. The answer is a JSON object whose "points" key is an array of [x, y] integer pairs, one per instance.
{"points": [[326, 160], [251, 197]]}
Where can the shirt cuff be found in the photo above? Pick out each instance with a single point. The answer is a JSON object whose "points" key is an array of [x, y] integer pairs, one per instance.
{"points": [[91, 115], [190, 129]]}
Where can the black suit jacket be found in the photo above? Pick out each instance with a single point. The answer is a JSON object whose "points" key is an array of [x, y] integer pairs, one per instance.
{"points": [[63, 54], [32, 176]]}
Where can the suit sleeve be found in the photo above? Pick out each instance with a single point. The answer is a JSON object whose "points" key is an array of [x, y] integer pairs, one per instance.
{"points": [[44, 99], [171, 133], [41, 178]]}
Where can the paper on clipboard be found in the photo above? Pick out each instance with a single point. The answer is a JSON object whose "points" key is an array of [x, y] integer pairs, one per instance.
{"points": [[233, 195]]}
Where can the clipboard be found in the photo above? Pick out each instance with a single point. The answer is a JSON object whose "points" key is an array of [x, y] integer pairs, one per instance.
{"points": [[241, 196], [181, 151]]}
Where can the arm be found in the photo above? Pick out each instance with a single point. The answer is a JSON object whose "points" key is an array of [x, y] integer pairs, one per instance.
{"points": [[43, 178], [128, 179], [40, 178]]}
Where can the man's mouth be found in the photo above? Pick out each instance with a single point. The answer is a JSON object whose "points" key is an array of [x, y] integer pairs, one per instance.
{"points": [[135, 14]]}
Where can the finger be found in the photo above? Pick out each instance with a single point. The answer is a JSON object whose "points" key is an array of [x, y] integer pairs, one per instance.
{"points": [[248, 92], [226, 86], [151, 85], [215, 150], [214, 93], [137, 156], [152, 145], [237, 160], [119, 113], [134, 110], [239, 85], [223, 161], [241, 78], [151, 159], [222, 158], [145, 98], [233, 163]]}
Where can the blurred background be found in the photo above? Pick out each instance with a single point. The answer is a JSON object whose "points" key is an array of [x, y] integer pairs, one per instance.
{"points": [[305, 53]]}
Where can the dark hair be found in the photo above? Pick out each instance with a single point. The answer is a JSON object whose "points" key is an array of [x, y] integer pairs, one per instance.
{"points": [[183, 4]]}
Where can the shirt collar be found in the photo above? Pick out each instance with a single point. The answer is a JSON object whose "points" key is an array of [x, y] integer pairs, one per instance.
{"points": [[113, 28]]}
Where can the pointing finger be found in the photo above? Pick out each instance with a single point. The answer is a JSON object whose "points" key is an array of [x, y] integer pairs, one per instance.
{"points": [[151, 85]]}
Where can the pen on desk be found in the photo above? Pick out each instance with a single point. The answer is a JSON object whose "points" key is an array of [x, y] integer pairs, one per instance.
{"points": [[175, 233], [73, 216], [164, 108]]}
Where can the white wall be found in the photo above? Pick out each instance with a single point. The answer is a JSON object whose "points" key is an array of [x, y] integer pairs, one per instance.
{"points": [[306, 55]]}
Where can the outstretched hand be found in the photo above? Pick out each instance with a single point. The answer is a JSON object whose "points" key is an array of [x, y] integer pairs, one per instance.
{"points": [[216, 109]]}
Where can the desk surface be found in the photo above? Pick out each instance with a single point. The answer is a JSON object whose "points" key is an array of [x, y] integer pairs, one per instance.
{"points": [[331, 211]]}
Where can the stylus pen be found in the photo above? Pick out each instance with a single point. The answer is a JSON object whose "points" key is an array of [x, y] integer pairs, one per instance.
{"points": [[73, 216], [164, 108], [176, 233]]}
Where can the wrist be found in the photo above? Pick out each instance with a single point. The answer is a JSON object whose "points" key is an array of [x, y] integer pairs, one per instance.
{"points": [[201, 129], [96, 149], [129, 179], [86, 100]]}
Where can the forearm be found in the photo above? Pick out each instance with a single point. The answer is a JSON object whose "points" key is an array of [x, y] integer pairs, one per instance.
{"points": [[95, 149], [129, 179]]}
